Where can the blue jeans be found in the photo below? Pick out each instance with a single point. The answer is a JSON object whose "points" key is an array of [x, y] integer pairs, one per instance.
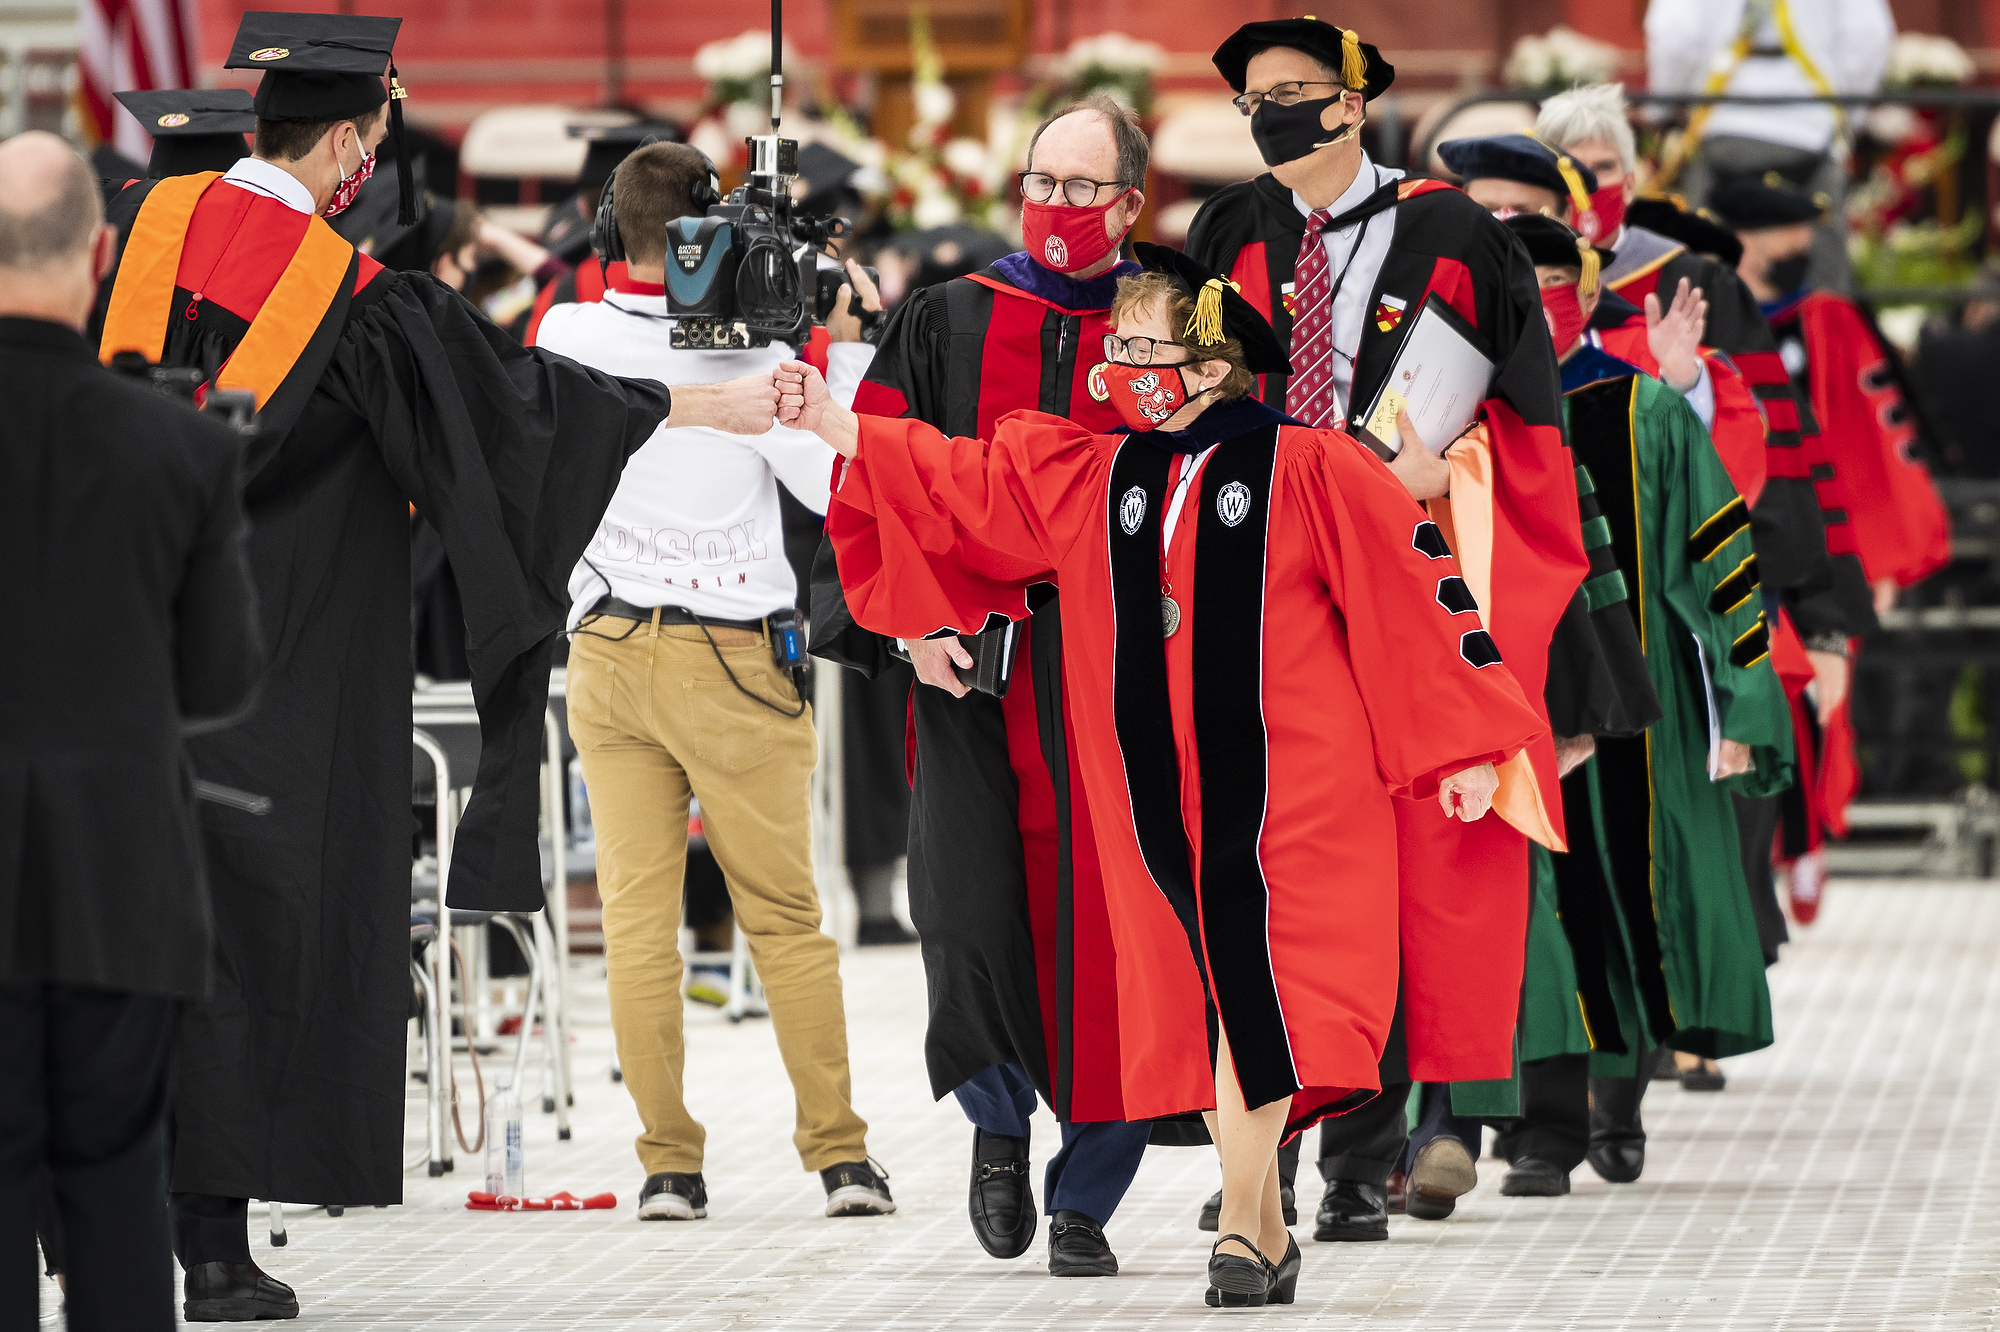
{"points": [[1097, 1161]]}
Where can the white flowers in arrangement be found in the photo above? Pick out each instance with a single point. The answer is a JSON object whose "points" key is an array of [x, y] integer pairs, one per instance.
{"points": [[1114, 63], [745, 58], [1560, 58], [1918, 60]]}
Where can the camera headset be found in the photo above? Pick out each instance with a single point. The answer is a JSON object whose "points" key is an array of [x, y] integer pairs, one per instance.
{"points": [[604, 237]]}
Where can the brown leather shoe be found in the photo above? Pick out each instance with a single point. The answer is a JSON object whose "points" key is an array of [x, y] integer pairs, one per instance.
{"points": [[1441, 1172], [235, 1293], [1399, 1188]]}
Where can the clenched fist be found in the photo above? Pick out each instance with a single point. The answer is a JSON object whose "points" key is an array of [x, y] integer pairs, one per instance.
{"points": [[805, 403]]}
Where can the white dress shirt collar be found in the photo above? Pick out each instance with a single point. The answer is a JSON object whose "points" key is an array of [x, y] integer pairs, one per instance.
{"points": [[273, 182], [1366, 182]]}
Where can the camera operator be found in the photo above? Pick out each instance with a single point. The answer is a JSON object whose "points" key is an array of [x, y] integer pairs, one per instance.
{"points": [[123, 537], [681, 608]]}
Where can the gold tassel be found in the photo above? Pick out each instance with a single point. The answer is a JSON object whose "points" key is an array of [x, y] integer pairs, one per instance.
{"points": [[1587, 286], [1353, 65], [1579, 201], [1204, 326]]}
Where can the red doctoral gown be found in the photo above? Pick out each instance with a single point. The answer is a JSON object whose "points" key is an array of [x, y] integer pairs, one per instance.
{"points": [[1241, 772]]}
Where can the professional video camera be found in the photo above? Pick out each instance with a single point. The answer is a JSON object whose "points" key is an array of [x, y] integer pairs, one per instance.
{"points": [[236, 407], [746, 272]]}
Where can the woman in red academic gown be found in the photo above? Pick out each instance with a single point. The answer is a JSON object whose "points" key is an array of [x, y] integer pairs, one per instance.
{"points": [[1321, 657]]}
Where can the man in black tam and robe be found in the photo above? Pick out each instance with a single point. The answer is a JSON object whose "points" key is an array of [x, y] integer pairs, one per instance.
{"points": [[193, 129], [1344, 256], [376, 390]]}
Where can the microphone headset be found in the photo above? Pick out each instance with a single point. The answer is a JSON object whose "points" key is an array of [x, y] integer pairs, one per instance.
{"points": [[604, 237]]}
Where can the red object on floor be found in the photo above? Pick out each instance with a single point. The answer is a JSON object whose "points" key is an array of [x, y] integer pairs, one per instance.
{"points": [[476, 1201]]}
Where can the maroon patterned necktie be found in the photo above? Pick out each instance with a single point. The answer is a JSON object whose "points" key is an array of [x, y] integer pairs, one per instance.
{"points": [[1311, 396]]}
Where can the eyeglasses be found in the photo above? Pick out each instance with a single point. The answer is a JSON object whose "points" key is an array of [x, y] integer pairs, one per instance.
{"points": [[1284, 94], [1077, 191], [1139, 351]]}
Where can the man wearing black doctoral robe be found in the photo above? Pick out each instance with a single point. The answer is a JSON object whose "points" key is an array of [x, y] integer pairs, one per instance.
{"points": [[1003, 878], [1399, 243], [377, 390]]}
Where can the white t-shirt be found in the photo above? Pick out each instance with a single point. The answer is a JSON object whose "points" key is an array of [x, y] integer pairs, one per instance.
{"points": [[695, 521]]}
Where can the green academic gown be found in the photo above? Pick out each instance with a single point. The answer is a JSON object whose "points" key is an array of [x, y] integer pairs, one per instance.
{"points": [[1663, 949]]}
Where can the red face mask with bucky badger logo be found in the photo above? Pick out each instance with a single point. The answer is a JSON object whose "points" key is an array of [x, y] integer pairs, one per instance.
{"points": [[1146, 395]]}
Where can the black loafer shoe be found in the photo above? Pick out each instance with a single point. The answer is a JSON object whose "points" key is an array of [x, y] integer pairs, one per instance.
{"points": [[1077, 1247], [1003, 1199], [1352, 1210], [1533, 1177], [1702, 1078], [1617, 1161], [235, 1293], [1441, 1172], [1211, 1211]]}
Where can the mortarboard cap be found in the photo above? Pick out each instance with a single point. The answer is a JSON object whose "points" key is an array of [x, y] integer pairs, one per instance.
{"points": [[825, 172], [1699, 230], [1750, 204], [326, 67], [1523, 158], [612, 144], [1220, 311], [1556, 245], [1361, 66], [193, 129]]}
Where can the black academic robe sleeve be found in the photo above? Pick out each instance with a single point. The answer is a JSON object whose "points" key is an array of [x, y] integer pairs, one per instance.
{"points": [[906, 378], [513, 455]]}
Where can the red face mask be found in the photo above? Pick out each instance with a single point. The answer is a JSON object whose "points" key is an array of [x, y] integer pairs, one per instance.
{"points": [[1563, 308], [1066, 239], [350, 185], [1146, 395], [1600, 222]]}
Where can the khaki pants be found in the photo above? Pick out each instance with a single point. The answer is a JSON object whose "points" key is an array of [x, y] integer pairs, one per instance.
{"points": [[654, 717]]}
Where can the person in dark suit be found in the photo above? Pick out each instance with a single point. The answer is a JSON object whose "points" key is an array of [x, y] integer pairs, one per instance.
{"points": [[130, 615]]}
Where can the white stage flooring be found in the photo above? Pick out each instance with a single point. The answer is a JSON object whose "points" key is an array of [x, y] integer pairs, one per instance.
{"points": [[1845, 1180]]}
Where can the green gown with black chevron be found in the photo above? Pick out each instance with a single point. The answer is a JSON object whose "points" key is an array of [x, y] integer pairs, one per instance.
{"points": [[1642, 934]]}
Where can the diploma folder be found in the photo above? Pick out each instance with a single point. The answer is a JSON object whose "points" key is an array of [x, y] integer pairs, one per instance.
{"points": [[1440, 377]]}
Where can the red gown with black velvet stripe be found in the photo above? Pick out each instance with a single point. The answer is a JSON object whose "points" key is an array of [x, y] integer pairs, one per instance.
{"points": [[1243, 774]]}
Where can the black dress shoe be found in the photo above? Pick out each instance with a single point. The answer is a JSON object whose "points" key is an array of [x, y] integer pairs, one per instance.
{"points": [[1003, 1200], [1535, 1177], [1211, 1211], [1352, 1210], [1703, 1078], [1077, 1247], [1617, 1161], [1285, 1276], [1237, 1283], [235, 1293]]}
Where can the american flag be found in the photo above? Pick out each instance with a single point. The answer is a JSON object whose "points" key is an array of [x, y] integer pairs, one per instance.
{"points": [[131, 44]]}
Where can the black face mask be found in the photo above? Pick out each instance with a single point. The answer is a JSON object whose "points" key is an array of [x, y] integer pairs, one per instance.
{"points": [[1287, 133], [1787, 275]]}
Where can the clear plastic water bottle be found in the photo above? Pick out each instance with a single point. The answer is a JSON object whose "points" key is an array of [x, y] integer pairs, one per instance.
{"points": [[506, 1174]]}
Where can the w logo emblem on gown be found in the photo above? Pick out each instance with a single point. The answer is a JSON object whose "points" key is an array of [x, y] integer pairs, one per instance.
{"points": [[1232, 503], [1132, 511], [1389, 313]]}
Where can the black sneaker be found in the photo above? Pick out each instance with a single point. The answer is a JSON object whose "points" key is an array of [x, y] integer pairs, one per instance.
{"points": [[1211, 1211], [1077, 1247], [856, 1188], [671, 1196]]}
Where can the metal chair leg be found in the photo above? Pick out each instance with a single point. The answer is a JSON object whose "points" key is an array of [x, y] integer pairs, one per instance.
{"points": [[434, 1088], [278, 1237], [537, 984]]}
